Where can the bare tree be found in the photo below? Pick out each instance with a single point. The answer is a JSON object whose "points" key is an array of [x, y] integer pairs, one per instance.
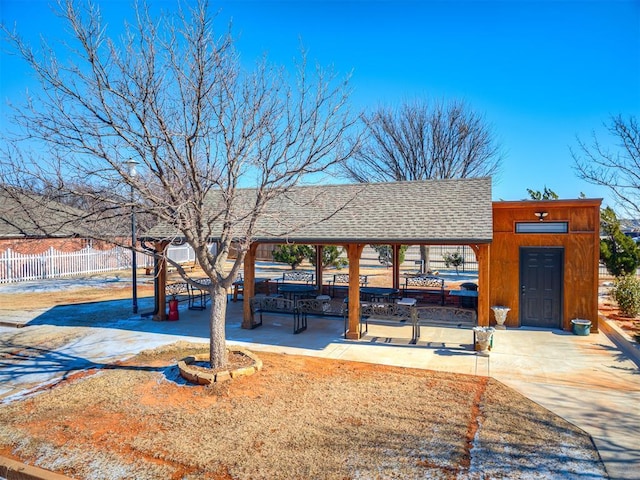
{"points": [[617, 168], [421, 141], [171, 94]]}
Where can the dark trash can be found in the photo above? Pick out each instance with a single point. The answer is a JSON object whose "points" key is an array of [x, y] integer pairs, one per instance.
{"points": [[469, 302]]}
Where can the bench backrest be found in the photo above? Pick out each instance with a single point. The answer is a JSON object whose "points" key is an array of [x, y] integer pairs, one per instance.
{"points": [[295, 276], [312, 305], [387, 311], [344, 278], [272, 304], [178, 288], [451, 315], [425, 281]]}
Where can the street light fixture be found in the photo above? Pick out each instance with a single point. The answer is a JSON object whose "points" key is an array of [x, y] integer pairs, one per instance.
{"points": [[131, 165]]}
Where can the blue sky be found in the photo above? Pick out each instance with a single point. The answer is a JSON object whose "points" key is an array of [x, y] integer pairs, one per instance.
{"points": [[540, 72]]}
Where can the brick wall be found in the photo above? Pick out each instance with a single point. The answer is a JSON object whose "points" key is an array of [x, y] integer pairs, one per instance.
{"points": [[35, 246]]}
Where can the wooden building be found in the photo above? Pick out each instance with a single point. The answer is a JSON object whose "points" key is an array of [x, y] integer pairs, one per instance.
{"points": [[544, 261], [539, 258]]}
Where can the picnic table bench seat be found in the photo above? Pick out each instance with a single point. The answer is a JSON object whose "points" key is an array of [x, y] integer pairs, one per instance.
{"points": [[322, 305], [261, 304], [439, 316], [297, 277], [197, 298], [426, 283], [343, 279], [394, 313], [177, 291], [386, 312], [300, 308]]}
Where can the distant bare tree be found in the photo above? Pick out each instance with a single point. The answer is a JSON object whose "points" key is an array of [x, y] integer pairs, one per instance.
{"points": [[617, 169], [171, 94], [421, 141]]}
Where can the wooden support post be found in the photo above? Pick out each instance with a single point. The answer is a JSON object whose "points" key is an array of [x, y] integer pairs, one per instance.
{"points": [[595, 282], [483, 252], [396, 266], [161, 280], [354, 251], [249, 284], [319, 249]]}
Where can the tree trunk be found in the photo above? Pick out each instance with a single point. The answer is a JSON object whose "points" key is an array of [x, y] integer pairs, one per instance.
{"points": [[217, 322], [424, 256]]}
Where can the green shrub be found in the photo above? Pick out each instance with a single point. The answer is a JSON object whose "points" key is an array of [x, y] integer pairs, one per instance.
{"points": [[453, 260], [331, 257], [626, 291], [385, 254], [292, 255], [618, 252]]}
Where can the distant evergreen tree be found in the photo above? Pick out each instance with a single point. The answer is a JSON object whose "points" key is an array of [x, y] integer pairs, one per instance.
{"points": [[546, 194], [385, 254], [331, 257], [293, 255], [619, 252]]}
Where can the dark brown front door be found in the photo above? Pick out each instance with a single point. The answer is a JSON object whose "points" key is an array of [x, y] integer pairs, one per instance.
{"points": [[541, 281]]}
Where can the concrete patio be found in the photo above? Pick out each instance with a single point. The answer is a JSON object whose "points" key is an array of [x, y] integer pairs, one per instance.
{"points": [[588, 380]]}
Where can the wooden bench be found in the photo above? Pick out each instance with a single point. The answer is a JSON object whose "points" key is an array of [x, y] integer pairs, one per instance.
{"points": [[387, 312], [197, 298], [320, 306], [265, 304], [297, 277], [427, 283], [438, 316], [343, 278], [177, 291]]}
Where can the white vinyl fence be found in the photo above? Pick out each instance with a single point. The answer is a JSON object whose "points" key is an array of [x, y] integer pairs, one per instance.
{"points": [[181, 253], [18, 267]]}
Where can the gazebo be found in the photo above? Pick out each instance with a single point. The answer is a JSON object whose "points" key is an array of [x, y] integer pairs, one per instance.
{"points": [[430, 212]]}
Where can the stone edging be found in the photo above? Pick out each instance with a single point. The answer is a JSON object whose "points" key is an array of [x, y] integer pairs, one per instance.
{"points": [[14, 470], [201, 377], [622, 340]]}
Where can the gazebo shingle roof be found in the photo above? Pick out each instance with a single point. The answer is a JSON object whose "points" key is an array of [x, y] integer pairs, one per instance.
{"points": [[431, 211], [33, 216]]}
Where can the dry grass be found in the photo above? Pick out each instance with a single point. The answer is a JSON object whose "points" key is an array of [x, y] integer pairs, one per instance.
{"points": [[300, 417]]}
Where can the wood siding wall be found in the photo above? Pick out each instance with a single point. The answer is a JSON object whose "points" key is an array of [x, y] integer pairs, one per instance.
{"points": [[581, 255]]}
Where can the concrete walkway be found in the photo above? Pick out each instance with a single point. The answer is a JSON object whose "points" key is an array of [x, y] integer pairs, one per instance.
{"points": [[587, 380]]}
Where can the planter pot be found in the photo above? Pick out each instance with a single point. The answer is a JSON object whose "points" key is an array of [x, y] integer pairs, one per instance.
{"points": [[581, 327], [483, 339], [500, 313]]}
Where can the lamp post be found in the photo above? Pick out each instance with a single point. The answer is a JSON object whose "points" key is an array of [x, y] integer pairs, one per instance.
{"points": [[131, 164]]}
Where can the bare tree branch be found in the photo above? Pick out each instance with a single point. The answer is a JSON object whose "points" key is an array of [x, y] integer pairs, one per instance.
{"points": [[617, 169], [424, 141], [170, 92]]}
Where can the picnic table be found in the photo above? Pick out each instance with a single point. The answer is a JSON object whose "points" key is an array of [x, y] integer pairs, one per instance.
{"points": [[378, 293], [238, 286], [294, 291]]}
